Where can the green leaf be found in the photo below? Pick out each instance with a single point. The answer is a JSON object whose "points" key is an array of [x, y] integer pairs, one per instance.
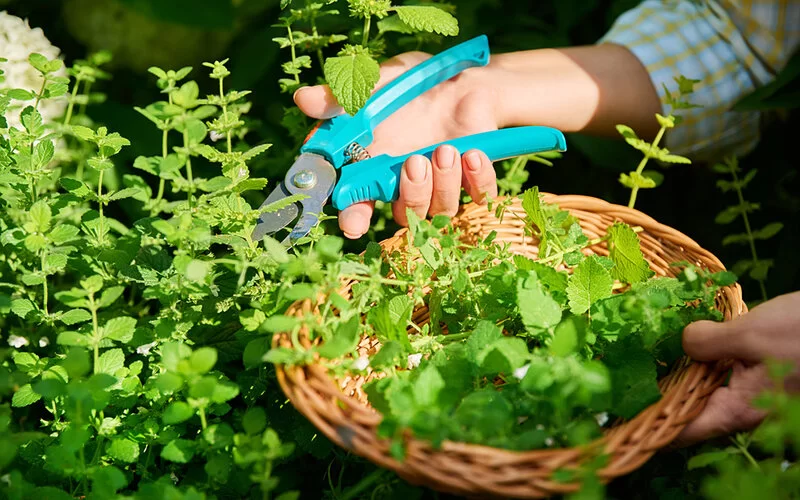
{"points": [[344, 340], [110, 361], [63, 233], [428, 18], [633, 376], [568, 336], [428, 386], [251, 319], [21, 94], [120, 329], [41, 215], [590, 282], [352, 77], [179, 451], [538, 310], [254, 420], [203, 359], [74, 316], [706, 459], [25, 396], [123, 450], [84, 133], [532, 205], [768, 231], [625, 252], [177, 412]]}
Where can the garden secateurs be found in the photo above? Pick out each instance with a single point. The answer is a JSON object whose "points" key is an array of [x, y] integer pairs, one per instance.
{"points": [[338, 144]]}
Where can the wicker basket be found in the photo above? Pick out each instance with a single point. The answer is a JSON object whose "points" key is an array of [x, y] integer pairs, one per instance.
{"points": [[340, 410]]}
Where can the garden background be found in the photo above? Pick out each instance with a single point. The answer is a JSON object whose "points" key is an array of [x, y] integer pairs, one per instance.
{"points": [[176, 33]]}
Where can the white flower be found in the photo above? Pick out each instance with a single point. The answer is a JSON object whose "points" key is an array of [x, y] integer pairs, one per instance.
{"points": [[413, 361], [520, 372], [144, 350], [361, 363], [17, 41], [17, 341], [44, 342], [549, 442], [785, 465], [215, 136], [601, 418]]}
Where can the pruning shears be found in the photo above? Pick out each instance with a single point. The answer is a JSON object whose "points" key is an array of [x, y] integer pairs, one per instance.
{"points": [[334, 164]]}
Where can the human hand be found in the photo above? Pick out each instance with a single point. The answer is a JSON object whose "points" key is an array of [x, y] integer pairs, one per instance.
{"points": [[455, 108], [770, 331]]}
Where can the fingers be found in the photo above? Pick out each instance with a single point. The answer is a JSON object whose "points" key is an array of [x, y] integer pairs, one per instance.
{"points": [[479, 175], [319, 102], [768, 331], [416, 187], [354, 220], [446, 181], [729, 409], [713, 341]]}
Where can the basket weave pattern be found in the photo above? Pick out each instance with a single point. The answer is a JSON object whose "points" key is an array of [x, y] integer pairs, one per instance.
{"points": [[339, 408]]}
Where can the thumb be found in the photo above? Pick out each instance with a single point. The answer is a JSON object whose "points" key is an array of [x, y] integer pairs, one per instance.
{"points": [[713, 341]]}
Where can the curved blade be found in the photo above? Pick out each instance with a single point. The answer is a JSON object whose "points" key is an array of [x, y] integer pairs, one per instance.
{"points": [[272, 222], [311, 177]]}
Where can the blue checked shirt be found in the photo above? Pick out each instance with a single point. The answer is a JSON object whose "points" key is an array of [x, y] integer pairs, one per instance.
{"points": [[732, 47]]}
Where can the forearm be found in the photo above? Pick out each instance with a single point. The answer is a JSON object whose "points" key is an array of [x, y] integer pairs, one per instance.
{"points": [[587, 89]]}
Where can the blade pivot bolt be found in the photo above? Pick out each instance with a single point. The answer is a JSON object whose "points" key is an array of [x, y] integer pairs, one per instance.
{"points": [[305, 179]]}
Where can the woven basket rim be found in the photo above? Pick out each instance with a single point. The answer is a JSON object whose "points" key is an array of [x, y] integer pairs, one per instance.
{"points": [[703, 377]]}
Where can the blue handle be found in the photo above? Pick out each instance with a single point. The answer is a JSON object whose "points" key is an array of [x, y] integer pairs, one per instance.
{"points": [[335, 135], [378, 178]]}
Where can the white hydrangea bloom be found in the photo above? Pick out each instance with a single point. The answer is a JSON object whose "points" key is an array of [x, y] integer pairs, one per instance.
{"points": [[520, 372], [17, 341], [17, 41], [361, 363], [413, 361]]}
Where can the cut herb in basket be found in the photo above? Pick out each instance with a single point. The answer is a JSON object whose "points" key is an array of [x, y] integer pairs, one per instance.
{"points": [[515, 353]]}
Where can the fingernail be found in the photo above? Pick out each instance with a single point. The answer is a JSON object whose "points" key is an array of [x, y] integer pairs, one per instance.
{"points": [[353, 236], [297, 92], [473, 160], [445, 157], [417, 169]]}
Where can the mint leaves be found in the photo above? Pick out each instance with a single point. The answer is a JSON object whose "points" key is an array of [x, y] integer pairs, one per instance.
{"points": [[517, 353], [428, 18], [352, 75]]}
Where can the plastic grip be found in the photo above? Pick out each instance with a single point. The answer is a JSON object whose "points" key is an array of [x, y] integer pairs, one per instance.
{"points": [[377, 179], [333, 136]]}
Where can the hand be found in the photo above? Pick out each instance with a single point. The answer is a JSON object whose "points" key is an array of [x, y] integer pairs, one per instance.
{"points": [[770, 331], [455, 108]]}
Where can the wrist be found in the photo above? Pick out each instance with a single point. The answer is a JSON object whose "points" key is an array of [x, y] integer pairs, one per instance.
{"points": [[579, 89]]}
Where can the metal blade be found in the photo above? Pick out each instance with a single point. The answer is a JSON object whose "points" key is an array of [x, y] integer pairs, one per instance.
{"points": [[324, 180], [310, 175], [272, 222]]}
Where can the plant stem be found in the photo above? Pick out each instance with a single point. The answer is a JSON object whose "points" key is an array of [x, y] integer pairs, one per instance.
{"points": [[95, 332], [365, 38], [748, 229], [101, 237], [44, 283], [202, 413], [71, 104], [382, 281], [746, 453], [39, 95], [188, 166], [362, 485], [225, 115], [294, 54], [640, 168]]}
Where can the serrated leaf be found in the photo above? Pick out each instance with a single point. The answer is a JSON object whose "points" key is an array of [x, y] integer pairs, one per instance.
{"points": [[538, 310], [352, 77], [345, 339], [110, 361], [179, 451], [428, 18], [74, 316], [590, 282], [120, 329], [625, 252], [177, 412], [24, 396], [63, 233], [41, 215], [123, 450]]}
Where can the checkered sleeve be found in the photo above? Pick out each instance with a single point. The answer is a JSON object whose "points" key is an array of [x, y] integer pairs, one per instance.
{"points": [[731, 47]]}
